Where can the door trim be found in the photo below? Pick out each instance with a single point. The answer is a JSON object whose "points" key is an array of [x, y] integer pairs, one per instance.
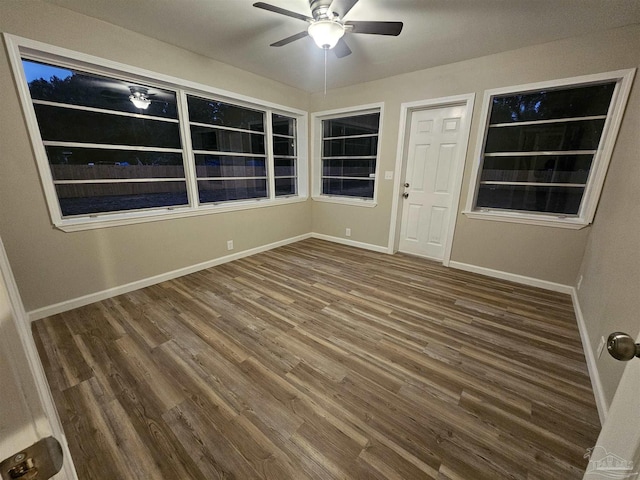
{"points": [[22, 323], [406, 109]]}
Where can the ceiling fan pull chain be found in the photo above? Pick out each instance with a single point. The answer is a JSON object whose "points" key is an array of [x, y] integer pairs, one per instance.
{"points": [[326, 50]]}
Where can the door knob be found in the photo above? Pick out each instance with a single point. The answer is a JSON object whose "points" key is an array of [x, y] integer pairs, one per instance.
{"points": [[405, 195], [406, 185], [622, 347]]}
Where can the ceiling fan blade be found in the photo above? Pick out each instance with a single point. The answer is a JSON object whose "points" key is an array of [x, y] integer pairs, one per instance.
{"points": [[341, 49], [376, 28], [342, 7], [282, 11], [292, 38]]}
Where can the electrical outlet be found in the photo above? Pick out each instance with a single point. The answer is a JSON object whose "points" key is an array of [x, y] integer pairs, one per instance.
{"points": [[230, 245], [579, 283], [601, 347], [348, 232]]}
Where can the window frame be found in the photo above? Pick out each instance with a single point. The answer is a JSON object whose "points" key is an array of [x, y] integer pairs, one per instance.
{"points": [[316, 141], [599, 166], [19, 48]]}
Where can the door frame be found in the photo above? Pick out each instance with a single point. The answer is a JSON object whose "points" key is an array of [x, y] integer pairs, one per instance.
{"points": [[406, 109], [34, 367]]}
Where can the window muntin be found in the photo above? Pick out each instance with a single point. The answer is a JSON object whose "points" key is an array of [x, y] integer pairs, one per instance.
{"points": [[105, 154], [539, 148], [94, 166], [285, 157], [349, 153]]}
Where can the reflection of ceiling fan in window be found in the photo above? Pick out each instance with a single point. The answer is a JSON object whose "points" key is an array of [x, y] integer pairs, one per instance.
{"points": [[141, 97], [327, 26]]}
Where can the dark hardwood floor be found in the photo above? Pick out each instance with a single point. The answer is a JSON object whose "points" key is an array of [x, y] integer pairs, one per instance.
{"points": [[317, 360]]}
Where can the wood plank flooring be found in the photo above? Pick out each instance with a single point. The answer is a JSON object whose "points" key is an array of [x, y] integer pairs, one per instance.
{"points": [[320, 361]]}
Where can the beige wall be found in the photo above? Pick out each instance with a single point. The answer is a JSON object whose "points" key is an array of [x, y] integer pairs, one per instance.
{"points": [[610, 291], [545, 253], [51, 266]]}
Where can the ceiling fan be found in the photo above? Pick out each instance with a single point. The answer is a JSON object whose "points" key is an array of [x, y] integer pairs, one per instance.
{"points": [[327, 26]]}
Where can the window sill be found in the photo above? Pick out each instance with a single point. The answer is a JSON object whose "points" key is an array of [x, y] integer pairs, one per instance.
{"points": [[571, 223], [356, 202], [119, 219]]}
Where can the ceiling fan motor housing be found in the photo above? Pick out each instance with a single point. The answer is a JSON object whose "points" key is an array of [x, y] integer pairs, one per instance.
{"points": [[320, 9]]}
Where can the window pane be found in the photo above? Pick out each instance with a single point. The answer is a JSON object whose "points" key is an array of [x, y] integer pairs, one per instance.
{"points": [[347, 187], [219, 113], [227, 166], [204, 138], [82, 199], [355, 125], [543, 169], [285, 167], [367, 146], [555, 103], [348, 168], [61, 124], [92, 163], [561, 200], [580, 135], [283, 125], [223, 190], [284, 146], [63, 85], [285, 186]]}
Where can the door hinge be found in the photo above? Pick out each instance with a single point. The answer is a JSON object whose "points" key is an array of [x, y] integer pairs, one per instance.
{"points": [[40, 461]]}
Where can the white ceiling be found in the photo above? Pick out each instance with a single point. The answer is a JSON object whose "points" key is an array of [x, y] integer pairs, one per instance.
{"points": [[436, 32]]}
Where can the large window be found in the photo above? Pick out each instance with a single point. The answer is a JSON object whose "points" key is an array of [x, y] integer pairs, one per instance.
{"points": [[114, 147], [106, 154], [348, 154], [545, 150]]}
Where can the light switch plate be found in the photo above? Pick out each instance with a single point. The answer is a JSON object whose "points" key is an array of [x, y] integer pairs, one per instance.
{"points": [[388, 175]]}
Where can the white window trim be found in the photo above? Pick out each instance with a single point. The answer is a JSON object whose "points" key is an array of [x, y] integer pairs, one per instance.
{"points": [[316, 142], [17, 47], [624, 79]]}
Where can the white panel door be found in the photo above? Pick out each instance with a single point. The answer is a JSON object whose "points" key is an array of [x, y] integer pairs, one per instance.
{"points": [[617, 453], [433, 152]]}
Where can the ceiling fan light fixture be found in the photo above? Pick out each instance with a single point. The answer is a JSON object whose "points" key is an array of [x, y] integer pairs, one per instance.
{"points": [[140, 100], [326, 33]]}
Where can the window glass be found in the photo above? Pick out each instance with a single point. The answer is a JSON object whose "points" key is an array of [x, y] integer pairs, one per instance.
{"points": [[72, 87], [540, 147], [66, 125], [226, 166], [349, 155], [348, 187], [531, 198], [351, 125], [214, 112], [284, 155], [585, 101], [205, 138], [91, 198], [76, 163], [212, 191]]}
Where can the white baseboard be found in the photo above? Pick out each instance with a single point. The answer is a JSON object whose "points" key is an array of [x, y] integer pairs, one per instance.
{"points": [[513, 277], [589, 355], [146, 282], [351, 243]]}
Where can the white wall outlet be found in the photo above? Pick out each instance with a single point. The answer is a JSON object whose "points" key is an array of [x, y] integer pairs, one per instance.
{"points": [[579, 283], [348, 232], [230, 245], [388, 175], [601, 347]]}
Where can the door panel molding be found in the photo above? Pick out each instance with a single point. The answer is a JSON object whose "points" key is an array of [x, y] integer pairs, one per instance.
{"points": [[406, 110]]}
